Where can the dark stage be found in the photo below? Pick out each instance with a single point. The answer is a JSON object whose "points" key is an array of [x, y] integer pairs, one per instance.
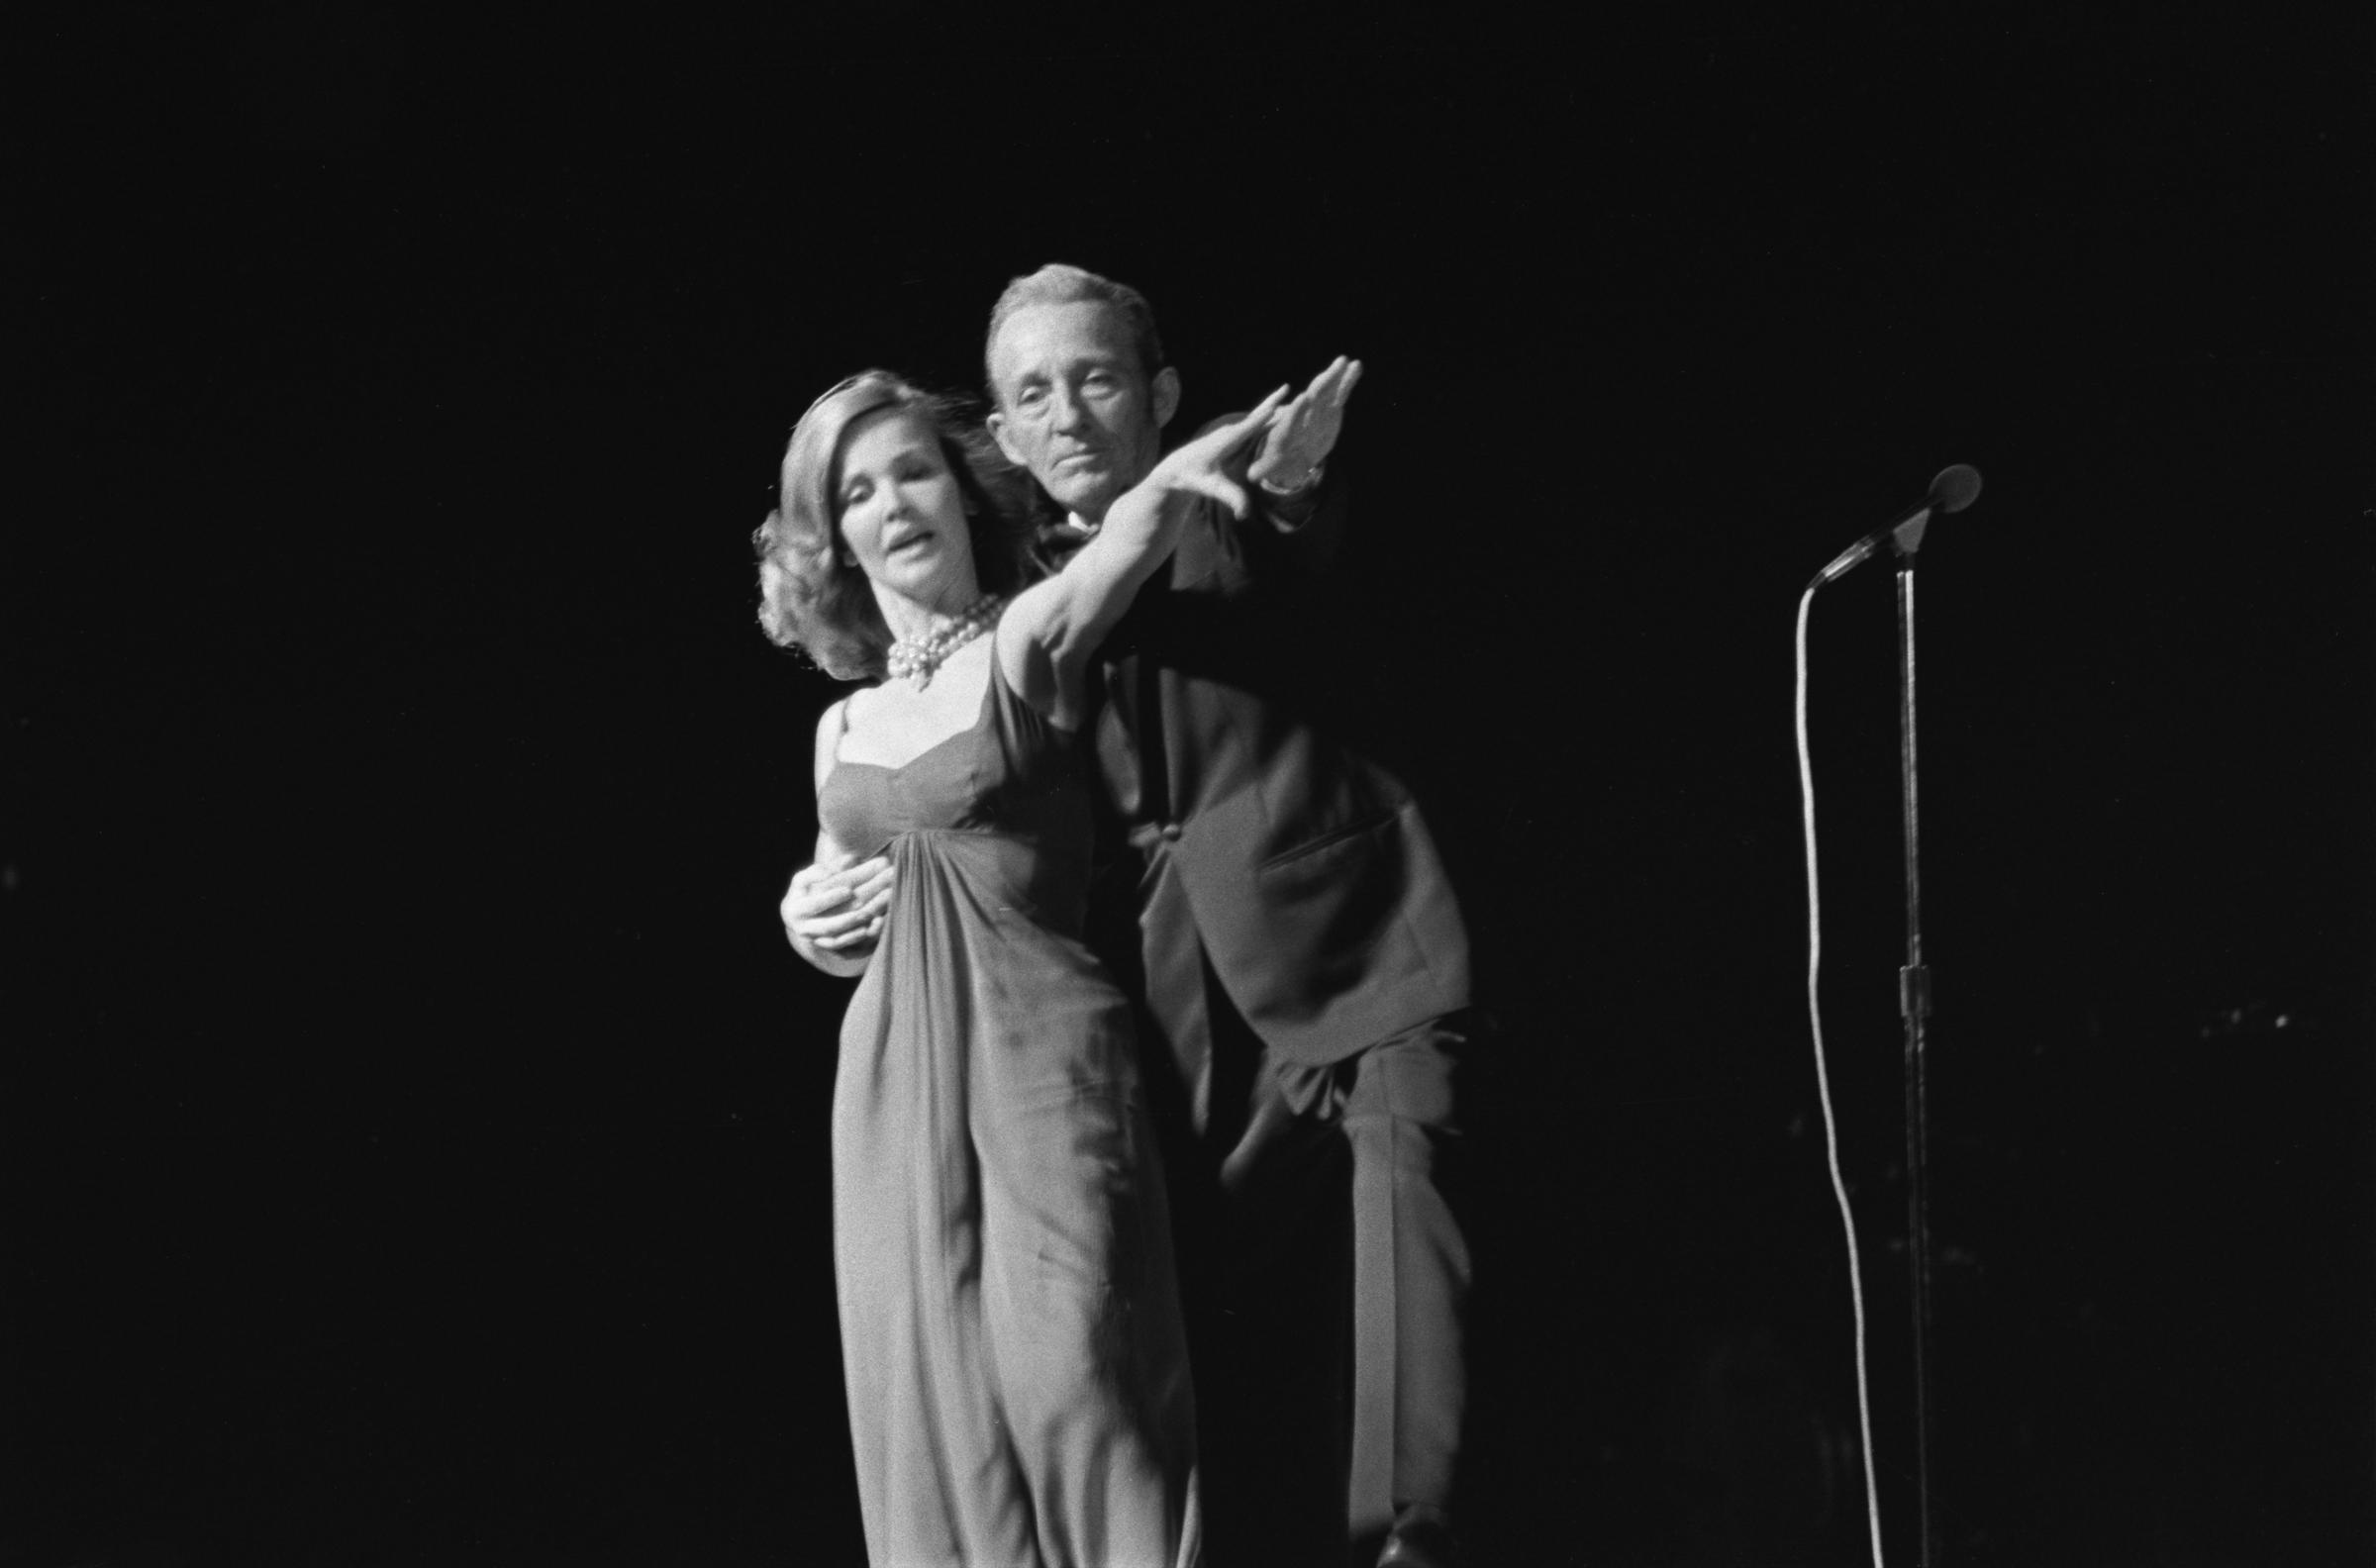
{"points": [[414, 1121]]}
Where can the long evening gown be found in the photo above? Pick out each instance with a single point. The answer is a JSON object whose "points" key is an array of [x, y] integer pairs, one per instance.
{"points": [[1011, 1333]]}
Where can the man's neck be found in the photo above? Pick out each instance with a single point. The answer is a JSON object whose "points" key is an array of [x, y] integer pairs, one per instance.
{"points": [[1086, 525]]}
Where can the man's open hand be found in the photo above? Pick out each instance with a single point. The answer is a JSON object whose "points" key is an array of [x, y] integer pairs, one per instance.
{"points": [[837, 907], [1304, 430]]}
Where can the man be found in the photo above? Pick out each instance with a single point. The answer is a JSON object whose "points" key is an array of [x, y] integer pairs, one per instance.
{"points": [[1305, 962]]}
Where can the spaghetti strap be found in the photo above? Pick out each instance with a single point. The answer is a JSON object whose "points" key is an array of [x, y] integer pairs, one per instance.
{"points": [[841, 712]]}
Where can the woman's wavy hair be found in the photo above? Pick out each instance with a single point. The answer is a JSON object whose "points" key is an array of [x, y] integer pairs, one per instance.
{"points": [[813, 603]]}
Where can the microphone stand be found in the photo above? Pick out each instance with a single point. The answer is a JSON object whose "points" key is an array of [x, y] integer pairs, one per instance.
{"points": [[1914, 1006], [1954, 488]]}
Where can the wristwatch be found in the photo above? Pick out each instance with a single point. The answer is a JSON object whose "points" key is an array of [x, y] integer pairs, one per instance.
{"points": [[1299, 487]]}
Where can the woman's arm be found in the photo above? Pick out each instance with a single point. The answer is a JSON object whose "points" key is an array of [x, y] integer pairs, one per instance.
{"points": [[1048, 634], [834, 911]]}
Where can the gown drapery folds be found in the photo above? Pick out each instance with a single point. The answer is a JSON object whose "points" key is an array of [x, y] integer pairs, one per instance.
{"points": [[1011, 1333]]}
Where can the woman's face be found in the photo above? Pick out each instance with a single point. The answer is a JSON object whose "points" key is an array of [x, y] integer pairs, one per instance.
{"points": [[899, 512]]}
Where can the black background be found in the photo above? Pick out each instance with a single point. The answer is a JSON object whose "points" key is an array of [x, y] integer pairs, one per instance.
{"points": [[414, 1121]]}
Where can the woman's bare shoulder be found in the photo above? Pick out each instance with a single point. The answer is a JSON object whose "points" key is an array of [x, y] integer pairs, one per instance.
{"points": [[829, 726]]}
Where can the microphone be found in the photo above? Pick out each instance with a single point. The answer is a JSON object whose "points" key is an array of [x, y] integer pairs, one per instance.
{"points": [[1954, 489]]}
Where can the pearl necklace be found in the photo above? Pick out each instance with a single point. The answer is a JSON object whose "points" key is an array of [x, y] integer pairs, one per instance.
{"points": [[920, 656]]}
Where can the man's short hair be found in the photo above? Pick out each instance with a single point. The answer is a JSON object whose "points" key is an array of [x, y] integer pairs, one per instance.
{"points": [[1060, 284]]}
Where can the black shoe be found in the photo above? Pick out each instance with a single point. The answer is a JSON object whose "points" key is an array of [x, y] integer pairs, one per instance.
{"points": [[1421, 1539]]}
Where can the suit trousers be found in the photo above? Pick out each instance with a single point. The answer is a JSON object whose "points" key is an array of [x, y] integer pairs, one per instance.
{"points": [[1326, 1282]]}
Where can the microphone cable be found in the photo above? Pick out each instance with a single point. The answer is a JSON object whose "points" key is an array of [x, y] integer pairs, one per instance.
{"points": [[1822, 1076]]}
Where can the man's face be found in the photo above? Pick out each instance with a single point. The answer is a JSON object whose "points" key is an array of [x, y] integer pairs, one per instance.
{"points": [[1073, 405]]}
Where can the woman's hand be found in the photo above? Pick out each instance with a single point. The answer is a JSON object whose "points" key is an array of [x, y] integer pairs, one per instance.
{"points": [[837, 907], [1053, 626], [1201, 468]]}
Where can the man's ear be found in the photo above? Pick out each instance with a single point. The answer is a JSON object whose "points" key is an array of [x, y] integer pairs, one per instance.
{"points": [[996, 425], [1167, 395]]}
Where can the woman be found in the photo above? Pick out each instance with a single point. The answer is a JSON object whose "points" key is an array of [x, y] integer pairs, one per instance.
{"points": [[1011, 1337]]}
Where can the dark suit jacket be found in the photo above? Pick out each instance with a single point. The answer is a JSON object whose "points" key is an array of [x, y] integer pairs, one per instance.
{"points": [[1309, 873]]}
